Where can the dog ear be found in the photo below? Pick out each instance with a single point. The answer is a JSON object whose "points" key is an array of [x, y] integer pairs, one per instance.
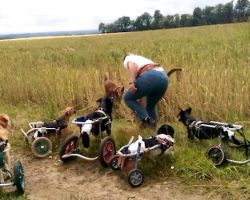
{"points": [[99, 100], [189, 110], [179, 114], [4, 121], [179, 108]]}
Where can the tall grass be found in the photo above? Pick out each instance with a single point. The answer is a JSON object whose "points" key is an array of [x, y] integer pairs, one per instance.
{"points": [[63, 71], [40, 77]]}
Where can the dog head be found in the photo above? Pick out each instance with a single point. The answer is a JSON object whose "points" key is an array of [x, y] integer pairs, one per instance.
{"points": [[69, 111], [185, 116], [5, 121], [106, 103], [112, 89], [166, 129]]}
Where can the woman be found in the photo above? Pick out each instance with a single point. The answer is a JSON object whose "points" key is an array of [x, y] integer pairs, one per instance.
{"points": [[149, 80]]}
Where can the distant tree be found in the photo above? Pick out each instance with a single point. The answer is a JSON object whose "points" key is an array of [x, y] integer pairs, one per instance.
{"points": [[219, 15], [143, 22], [177, 20], [209, 15], [101, 27], [197, 16], [170, 21], [186, 20], [228, 12], [124, 23], [241, 10], [110, 28], [157, 20], [248, 12]]}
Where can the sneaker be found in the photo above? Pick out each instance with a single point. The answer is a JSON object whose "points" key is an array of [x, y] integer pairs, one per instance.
{"points": [[148, 123]]}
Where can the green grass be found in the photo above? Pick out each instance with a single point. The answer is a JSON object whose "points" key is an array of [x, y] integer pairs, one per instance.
{"points": [[191, 166], [40, 77], [69, 71]]}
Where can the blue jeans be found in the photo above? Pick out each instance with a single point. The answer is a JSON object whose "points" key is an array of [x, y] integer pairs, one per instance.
{"points": [[152, 85]]}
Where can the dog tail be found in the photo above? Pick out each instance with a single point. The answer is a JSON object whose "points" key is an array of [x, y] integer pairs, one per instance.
{"points": [[178, 71]]}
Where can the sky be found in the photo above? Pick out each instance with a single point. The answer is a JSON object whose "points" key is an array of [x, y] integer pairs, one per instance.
{"points": [[29, 16]]}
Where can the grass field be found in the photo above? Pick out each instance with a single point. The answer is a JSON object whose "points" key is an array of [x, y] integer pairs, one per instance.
{"points": [[40, 77]]}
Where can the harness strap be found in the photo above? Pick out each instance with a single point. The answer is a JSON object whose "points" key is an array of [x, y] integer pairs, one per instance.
{"points": [[100, 110]]}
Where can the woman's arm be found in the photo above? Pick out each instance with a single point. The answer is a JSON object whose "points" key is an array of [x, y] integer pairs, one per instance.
{"points": [[132, 67]]}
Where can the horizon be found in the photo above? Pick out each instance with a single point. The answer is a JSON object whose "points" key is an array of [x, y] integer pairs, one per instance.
{"points": [[66, 31]]}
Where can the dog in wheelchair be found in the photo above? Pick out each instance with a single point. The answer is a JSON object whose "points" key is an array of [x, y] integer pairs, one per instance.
{"points": [[206, 130], [38, 134], [5, 127], [128, 156], [58, 125], [161, 144], [98, 120]]}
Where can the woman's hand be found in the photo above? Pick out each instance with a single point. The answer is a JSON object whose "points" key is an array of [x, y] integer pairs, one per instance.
{"points": [[132, 88]]}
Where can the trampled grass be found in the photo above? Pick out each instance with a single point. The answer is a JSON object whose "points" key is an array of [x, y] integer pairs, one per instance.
{"points": [[40, 77]]}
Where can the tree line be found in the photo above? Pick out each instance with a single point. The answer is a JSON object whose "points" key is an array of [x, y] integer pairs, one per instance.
{"points": [[219, 14]]}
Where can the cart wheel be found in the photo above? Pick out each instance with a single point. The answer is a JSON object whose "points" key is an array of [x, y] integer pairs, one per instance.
{"points": [[113, 164], [19, 177], [216, 154], [106, 151], [70, 145], [135, 177], [41, 147]]}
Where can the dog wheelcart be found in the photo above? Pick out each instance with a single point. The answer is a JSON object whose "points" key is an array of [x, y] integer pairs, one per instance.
{"points": [[216, 153], [128, 161], [37, 137], [8, 178], [71, 147]]}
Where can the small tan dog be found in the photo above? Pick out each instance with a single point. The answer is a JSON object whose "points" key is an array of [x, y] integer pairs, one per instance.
{"points": [[61, 122], [67, 113], [112, 89], [5, 127]]}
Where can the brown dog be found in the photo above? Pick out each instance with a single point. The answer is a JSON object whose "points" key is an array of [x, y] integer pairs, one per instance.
{"points": [[61, 122], [5, 127], [112, 89], [67, 113], [143, 100]]}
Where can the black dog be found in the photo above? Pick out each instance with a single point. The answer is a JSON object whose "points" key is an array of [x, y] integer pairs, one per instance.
{"points": [[104, 110], [203, 130]]}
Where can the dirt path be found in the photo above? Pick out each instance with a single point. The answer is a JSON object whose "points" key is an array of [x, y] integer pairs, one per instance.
{"points": [[49, 179]]}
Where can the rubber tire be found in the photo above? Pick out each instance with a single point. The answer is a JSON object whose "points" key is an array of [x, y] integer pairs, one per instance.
{"points": [[47, 151], [19, 180], [103, 161], [113, 163], [71, 138], [135, 173], [217, 159]]}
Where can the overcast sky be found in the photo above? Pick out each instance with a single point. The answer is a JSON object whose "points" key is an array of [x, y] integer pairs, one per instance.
{"points": [[23, 16]]}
